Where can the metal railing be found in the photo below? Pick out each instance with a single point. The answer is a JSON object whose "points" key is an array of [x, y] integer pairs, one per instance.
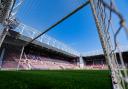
{"points": [[31, 32]]}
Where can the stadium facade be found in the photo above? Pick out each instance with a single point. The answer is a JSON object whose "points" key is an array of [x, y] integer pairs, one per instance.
{"points": [[45, 47], [46, 53], [50, 47]]}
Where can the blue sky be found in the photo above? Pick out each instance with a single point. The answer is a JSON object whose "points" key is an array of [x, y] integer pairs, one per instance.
{"points": [[78, 31]]}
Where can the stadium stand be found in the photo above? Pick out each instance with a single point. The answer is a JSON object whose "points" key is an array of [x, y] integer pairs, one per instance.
{"points": [[35, 58], [96, 59], [36, 62], [45, 56]]}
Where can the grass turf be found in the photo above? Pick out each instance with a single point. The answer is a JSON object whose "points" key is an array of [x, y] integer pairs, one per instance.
{"points": [[53, 79]]}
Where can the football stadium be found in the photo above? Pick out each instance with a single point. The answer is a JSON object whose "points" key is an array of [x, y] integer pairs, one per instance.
{"points": [[38, 52]]}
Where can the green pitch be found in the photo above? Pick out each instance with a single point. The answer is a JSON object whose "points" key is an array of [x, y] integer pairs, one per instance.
{"points": [[66, 79]]}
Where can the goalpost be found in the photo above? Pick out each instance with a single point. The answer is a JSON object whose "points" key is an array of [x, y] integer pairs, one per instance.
{"points": [[102, 12]]}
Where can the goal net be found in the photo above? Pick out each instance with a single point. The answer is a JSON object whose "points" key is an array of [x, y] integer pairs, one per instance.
{"points": [[104, 12]]}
